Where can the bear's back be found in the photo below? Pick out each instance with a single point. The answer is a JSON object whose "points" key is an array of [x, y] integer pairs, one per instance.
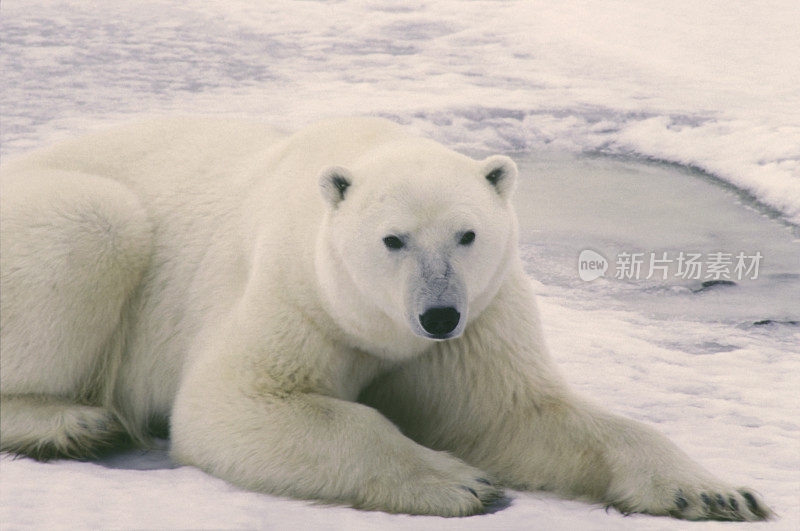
{"points": [[159, 149]]}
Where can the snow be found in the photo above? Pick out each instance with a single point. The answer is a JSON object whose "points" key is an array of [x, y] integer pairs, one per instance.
{"points": [[698, 83], [582, 94]]}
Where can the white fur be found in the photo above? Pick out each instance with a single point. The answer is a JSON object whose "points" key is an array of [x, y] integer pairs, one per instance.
{"points": [[234, 281]]}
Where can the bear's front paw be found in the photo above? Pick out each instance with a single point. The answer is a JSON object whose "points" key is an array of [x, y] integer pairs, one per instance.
{"points": [[720, 504], [705, 502], [446, 487], [455, 496]]}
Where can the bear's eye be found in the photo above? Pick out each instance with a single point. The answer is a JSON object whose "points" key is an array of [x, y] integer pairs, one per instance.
{"points": [[393, 242], [467, 238]]}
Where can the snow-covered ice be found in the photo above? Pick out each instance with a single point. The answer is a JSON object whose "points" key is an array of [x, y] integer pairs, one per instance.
{"points": [[638, 126], [700, 83]]}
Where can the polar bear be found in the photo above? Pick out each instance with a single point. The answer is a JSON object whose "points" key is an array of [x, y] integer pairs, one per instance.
{"points": [[338, 315]]}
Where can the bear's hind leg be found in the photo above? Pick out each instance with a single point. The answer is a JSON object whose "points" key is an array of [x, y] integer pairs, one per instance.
{"points": [[47, 428], [73, 248]]}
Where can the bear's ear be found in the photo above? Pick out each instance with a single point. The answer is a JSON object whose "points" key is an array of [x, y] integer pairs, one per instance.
{"points": [[333, 184], [501, 172]]}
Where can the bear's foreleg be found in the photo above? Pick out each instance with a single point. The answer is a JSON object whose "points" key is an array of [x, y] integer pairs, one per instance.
{"points": [[238, 419], [493, 398]]}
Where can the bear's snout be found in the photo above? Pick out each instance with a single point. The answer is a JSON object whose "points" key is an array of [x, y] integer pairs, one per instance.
{"points": [[439, 322]]}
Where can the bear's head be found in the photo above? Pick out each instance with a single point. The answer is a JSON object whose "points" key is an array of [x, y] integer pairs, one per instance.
{"points": [[415, 243]]}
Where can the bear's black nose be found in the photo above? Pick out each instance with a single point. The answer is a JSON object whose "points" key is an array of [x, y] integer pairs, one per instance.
{"points": [[439, 321]]}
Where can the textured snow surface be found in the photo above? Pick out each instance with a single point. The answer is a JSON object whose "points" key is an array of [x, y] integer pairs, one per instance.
{"points": [[699, 83], [713, 85]]}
